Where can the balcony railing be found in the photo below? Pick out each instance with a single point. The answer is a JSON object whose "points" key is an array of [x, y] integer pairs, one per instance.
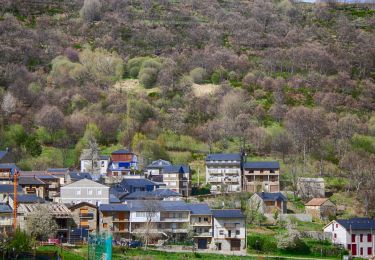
{"points": [[120, 220], [166, 219], [202, 234], [86, 215], [216, 179], [201, 224]]}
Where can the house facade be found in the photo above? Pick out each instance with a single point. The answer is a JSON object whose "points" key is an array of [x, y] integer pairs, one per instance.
{"points": [[84, 191], [7, 171], [114, 219], [34, 185], [268, 203], [201, 221], [356, 235], [178, 178], [6, 218], [60, 173], [229, 230], [123, 162], [154, 171], [261, 176], [320, 208], [85, 215], [224, 172]]}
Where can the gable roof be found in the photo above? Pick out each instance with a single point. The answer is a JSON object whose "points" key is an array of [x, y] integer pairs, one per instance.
{"points": [[159, 164], [227, 213], [114, 207], [84, 203], [9, 166], [357, 223], [262, 165], [200, 209], [224, 157], [180, 168], [30, 181], [5, 208], [27, 198], [317, 201], [80, 175], [268, 196], [137, 182], [38, 174], [85, 183], [8, 188], [122, 151]]}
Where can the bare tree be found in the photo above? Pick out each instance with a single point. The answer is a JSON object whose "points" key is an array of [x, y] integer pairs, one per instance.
{"points": [[40, 223], [9, 103]]}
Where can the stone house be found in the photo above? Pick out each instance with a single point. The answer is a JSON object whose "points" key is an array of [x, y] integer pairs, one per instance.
{"points": [[268, 203], [320, 208], [85, 215]]}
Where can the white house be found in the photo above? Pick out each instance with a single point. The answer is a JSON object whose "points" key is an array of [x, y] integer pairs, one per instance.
{"points": [[229, 230], [224, 172], [355, 234], [84, 191]]}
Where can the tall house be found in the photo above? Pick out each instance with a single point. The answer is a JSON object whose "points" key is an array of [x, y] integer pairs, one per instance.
{"points": [[123, 162], [262, 176], [223, 172], [114, 218], [201, 222], [84, 215], [178, 178], [7, 171]]}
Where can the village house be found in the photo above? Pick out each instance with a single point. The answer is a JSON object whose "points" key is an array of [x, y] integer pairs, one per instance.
{"points": [[178, 178], [60, 173], [308, 188], [6, 190], [154, 171], [53, 183], [355, 234], [114, 218], [123, 162], [84, 191], [223, 172], [131, 185], [261, 176], [268, 203], [94, 162], [84, 215], [201, 222], [320, 208], [7, 171], [6, 218], [34, 185], [229, 230]]}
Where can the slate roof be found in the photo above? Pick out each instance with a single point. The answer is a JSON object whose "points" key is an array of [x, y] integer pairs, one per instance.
{"points": [[223, 157], [84, 183], [200, 209], [104, 157], [162, 205], [176, 169], [159, 193], [227, 213], [80, 175], [113, 199], [10, 166], [83, 203], [38, 174], [158, 164], [262, 165], [137, 182], [316, 202], [122, 151], [28, 198], [58, 170], [5, 208], [30, 181], [357, 223], [8, 188], [268, 196], [114, 207]]}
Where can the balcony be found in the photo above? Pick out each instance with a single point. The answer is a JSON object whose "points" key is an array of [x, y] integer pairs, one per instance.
{"points": [[165, 219], [120, 220], [232, 172], [214, 172], [6, 222], [86, 215], [202, 234], [202, 224], [235, 180], [216, 179]]}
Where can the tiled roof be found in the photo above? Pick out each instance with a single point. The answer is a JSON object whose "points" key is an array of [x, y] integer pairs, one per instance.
{"points": [[122, 151], [159, 164], [316, 202], [114, 207], [28, 198], [224, 157], [30, 181], [357, 223], [200, 209], [176, 169], [262, 165], [58, 171], [227, 213], [8, 188], [275, 196], [80, 175], [5, 208]]}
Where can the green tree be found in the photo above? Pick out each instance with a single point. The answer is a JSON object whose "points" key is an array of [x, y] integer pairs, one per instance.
{"points": [[20, 242], [32, 146]]}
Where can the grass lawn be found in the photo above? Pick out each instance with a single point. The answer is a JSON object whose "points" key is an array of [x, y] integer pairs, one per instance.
{"points": [[66, 254]]}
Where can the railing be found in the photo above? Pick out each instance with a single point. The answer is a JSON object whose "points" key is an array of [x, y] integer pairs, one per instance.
{"points": [[232, 180], [215, 179], [202, 223], [174, 219], [202, 234], [86, 215]]}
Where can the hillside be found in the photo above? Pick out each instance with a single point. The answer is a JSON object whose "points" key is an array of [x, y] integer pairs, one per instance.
{"points": [[177, 79]]}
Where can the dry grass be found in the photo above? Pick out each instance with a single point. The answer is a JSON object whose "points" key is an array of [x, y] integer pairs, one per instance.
{"points": [[204, 89], [133, 85]]}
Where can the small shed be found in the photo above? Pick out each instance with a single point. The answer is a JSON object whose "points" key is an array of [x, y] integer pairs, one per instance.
{"points": [[320, 208], [268, 203]]}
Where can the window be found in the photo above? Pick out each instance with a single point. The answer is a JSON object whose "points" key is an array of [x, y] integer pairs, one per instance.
{"points": [[369, 251], [237, 232], [99, 192], [78, 192], [334, 235], [221, 232], [205, 219], [349, 246], [361, 238], [139, 214], [89, 192], [369, 237], [361, 251], [337, 225], [199, 219], [353, 238], [105, 225]]}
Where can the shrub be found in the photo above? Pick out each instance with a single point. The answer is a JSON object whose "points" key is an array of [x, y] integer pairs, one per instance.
{"points": [[262, 243], [366, 143], [198, 75], [147, 77], [91, 11], [134, 65]]}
